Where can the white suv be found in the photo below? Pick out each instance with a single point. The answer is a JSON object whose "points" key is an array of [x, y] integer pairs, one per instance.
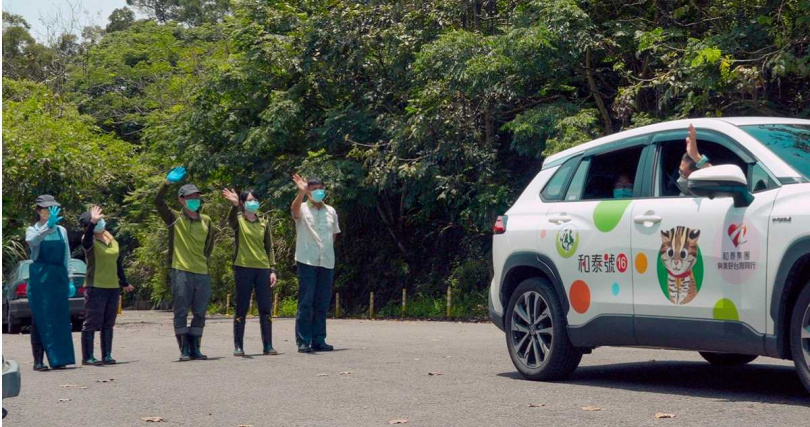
{"points": [[604, 249]]}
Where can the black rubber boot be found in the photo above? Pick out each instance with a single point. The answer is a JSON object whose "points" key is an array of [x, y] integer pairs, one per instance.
{"points": [[39, 354], [266, 325], [88, 338], [195, 348], [322, 347], [106, 346], [185, 346], [238, 336]]}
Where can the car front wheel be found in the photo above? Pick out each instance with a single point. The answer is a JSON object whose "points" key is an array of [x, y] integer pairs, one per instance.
{"points": [[800, 335], [536, 333]]}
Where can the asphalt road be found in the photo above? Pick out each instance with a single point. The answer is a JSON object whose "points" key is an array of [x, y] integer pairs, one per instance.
{"points": [[381, 372]]}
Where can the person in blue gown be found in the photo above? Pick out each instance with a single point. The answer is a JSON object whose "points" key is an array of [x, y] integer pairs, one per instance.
{"points": [[49, 287]]}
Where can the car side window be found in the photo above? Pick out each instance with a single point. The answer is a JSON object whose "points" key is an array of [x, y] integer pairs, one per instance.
{"points": [[555, 188], [578, 182], [760, 179], [670, 157], [611, 175]]}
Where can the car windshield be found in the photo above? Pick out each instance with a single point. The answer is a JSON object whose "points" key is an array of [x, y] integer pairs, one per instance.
{"points": [[789, 142]]}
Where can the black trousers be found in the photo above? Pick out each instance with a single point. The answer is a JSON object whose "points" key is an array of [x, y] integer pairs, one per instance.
{"points": [[249, 280], [100, 308]]}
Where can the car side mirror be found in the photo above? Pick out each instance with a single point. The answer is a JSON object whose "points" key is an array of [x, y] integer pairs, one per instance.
{"points": [[723, 181]]}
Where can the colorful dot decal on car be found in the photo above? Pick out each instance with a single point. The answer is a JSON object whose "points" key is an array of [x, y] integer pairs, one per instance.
{"points": [[641, 263], [543, 233], [608, 214], [724, 309], [580, 296], [567, 241], [615, 289]]}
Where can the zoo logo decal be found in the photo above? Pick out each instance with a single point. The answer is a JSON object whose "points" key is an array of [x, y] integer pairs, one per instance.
{"points": [[567, 241], [680, 264]]}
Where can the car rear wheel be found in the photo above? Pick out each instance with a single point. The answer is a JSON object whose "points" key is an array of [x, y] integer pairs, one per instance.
{"points": [[727, 359], [536, 333], [14, 325], [800, 335]]}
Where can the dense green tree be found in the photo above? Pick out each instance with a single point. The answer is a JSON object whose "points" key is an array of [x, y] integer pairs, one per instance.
{"points": [[23, 56], [120, 19], [427, 118]]}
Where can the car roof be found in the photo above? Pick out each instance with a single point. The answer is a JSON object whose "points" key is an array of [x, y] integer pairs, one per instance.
{"points": [[669, 125], [78, 266]]}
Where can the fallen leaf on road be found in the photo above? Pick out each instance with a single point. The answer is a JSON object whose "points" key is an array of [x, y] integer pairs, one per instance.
{"points": [[323, 375], [402, 421], [661, 415], [152, 419], [434, 374], [536, 405], [347, 373], [80, 387], [592, 408], [64, 400]]}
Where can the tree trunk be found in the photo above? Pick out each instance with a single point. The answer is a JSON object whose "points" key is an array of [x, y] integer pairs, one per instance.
{"points": [[600, 104]]}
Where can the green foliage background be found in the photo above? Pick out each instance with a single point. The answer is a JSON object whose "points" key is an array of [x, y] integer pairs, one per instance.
{"points": [[426, 119]]}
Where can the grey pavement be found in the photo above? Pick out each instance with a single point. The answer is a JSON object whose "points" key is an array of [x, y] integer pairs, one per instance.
{"points": [[381, 372]]}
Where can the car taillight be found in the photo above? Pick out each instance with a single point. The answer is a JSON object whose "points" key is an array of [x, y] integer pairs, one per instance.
{"points": [[21, 290], [500, 225], [80, 291]]}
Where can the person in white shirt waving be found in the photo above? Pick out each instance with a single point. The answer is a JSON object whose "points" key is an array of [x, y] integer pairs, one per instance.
{"points": [[316, 229]]}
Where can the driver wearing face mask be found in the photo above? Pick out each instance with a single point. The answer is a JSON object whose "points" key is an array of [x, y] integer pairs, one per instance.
{"points": [[623, 188], [191, 241]]}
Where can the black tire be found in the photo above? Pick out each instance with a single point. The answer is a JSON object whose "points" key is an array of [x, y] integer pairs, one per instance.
{"points": [[546, 334], [800, 346], [14, 327], [727, 359], [76, 324]]}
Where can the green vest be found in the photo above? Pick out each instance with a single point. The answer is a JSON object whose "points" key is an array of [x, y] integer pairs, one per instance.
{"points": [[188, 243], [251, 251], [102, 265]]}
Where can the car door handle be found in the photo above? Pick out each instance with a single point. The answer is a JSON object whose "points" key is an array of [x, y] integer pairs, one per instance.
{"points": [[558, 219], [641, 219]]}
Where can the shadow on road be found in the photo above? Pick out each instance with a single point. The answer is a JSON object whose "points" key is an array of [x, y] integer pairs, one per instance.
{"points": [[751, 383]]}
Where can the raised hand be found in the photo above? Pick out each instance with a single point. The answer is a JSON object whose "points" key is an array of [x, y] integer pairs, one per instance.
{"points": [[301, 183], [691, 144], [95, 214], [176, 175], [54, 217], [231, 196]]}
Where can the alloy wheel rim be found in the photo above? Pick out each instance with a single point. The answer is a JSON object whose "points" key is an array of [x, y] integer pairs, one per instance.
{"points": [[532, 330]]}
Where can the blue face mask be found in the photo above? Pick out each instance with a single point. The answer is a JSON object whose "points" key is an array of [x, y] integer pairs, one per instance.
{"points": [[101, 225], [252, 206], [193, 205], [318, 195], [622, 193]]}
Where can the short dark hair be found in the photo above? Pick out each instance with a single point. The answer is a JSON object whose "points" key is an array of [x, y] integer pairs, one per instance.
{"points": [[244, 195], [315, 181], [691, 163]]}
